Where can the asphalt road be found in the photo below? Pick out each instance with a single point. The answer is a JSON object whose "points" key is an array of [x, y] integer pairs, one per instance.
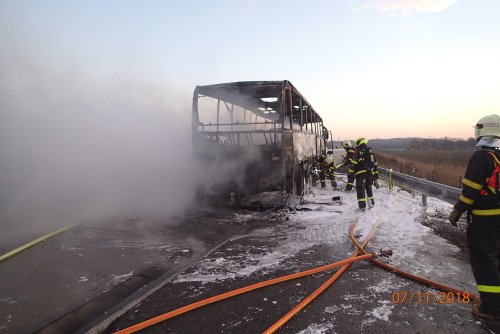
{"points": [[63, 283], [131, 271], [360, 301]]}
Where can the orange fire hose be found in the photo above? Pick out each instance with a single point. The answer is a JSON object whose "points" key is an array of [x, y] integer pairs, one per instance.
{"points": [[239, 291], [274, 327], [344, 266], [437, 285]]}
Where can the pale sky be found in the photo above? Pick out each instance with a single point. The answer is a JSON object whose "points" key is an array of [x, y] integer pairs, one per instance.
{"points": [[372, 68]]}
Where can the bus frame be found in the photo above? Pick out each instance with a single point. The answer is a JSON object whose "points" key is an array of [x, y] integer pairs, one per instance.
{"points": [[270, 122]]}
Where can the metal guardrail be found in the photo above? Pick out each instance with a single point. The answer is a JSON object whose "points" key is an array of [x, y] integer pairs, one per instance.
{"points": [[429, 188]]}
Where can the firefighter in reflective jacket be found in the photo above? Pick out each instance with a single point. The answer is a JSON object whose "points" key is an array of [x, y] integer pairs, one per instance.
{"points": [[326, 166], [350, 151], [481, 199], [364, 169]]}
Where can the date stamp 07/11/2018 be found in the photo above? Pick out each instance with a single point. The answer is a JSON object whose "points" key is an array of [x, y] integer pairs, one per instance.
{"points": [[435, 297]]}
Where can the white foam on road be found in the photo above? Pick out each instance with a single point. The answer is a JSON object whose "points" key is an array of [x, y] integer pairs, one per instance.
{"points": [[396, 214]]}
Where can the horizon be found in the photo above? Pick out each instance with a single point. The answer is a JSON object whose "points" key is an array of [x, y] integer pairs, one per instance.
{"points": [[421, 138]]}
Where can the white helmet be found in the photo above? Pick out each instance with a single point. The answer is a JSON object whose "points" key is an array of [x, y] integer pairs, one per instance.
{"points": [[346, 144], [488, 126]]}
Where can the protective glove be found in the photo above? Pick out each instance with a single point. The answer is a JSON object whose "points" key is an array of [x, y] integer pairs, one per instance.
{"points": [[348, 187], [376, 184], [454, 216]]}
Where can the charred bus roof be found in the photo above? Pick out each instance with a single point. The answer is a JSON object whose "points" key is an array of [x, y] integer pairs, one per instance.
{"points": [[262, 97]]}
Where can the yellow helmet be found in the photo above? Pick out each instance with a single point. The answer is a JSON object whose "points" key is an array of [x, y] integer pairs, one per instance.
{"points": [[361, 141], [488, 126]]}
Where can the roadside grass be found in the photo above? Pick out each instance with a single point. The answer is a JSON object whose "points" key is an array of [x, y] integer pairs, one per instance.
{"points": [[442, 166]]}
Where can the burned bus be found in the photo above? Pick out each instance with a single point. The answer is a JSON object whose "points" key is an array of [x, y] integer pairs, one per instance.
{"points": [[257, 136]]}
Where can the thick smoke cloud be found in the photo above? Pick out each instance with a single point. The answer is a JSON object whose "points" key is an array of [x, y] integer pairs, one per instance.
{"points": [[79, 143]]}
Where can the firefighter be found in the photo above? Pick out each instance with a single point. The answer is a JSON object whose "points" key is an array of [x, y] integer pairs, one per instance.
{"points": [[481, 199], [330, 168], [325, 166], [364, 170], [349, 149]]}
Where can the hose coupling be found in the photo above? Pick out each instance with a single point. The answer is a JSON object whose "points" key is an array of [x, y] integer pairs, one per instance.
{"points": [[385, 253]]}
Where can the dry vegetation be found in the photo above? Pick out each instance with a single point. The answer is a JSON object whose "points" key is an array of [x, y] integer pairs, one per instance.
{"points": [[442, 166]]}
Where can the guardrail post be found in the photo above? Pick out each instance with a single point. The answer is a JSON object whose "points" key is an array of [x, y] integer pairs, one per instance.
{"points": [[424, 200], [391, 184]]}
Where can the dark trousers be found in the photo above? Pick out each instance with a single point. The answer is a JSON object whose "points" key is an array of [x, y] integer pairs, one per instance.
{"points": [[327, 174], [364, 186], [483, 237], [350, 179]]}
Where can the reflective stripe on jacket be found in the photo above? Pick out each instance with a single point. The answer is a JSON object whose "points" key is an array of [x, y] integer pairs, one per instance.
{"points": [[474, 185]]}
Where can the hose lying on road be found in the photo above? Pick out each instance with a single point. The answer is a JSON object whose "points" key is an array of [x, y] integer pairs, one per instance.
{"points": [[237, 292], [273, 328], [32, 243], [434, 284], [360, 248], [322, 288]]}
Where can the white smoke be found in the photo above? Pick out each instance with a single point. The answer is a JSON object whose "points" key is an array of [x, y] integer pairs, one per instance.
{"points": [[78, 143]]}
